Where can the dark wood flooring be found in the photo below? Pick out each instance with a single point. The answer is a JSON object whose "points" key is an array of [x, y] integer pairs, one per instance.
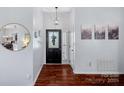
{"points": [[62, 75]]}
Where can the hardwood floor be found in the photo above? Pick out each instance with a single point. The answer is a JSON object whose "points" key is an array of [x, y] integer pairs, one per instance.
{"points": [[62, 75]]}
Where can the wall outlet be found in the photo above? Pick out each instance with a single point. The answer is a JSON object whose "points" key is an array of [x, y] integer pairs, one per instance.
{"points": [[28, 76], [90, 64]]}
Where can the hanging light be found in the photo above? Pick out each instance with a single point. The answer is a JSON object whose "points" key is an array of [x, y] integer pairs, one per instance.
{"points": [[56, 17]]}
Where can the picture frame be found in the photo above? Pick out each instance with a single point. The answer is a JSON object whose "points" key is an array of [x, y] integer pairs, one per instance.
{"points": [[113, 32], [35, 34], [99, 32], [39, 33], [86, 32]]}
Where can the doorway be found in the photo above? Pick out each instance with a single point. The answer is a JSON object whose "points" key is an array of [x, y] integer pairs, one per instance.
{"points": [[53, 46]]}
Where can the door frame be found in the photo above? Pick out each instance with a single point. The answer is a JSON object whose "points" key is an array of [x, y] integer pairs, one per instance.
{"points": [[60, 43]]}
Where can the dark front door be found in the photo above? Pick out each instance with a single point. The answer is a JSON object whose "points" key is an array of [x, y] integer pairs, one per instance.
{"points": [[53, 46]]}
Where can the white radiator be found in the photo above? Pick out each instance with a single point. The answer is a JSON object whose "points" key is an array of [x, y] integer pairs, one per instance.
{"points": [[106, 65]]}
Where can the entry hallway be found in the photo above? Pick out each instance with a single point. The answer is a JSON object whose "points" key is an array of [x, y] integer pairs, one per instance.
{"points": [[59, 46], [62, 75]]}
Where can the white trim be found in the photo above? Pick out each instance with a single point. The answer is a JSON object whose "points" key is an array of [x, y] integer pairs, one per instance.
{"points": [[53, 64], [121, 72], [72, 66], [37, 75], [96, 72]]}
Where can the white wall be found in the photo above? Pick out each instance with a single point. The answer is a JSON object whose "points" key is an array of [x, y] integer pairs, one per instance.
{"points": [[37, 43], [90, 52], [16, 68], [121, 44], [64, 21]]}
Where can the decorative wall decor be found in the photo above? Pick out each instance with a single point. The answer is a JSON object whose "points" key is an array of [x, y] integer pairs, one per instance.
{"points": [[113, 32], [39, 33], [99, 32], [14, 36], [35, 34], [86, 32]]}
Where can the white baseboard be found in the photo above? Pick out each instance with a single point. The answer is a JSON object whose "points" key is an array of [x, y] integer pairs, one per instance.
{"points": [[96, 72], [121, 72], [37, 75]]}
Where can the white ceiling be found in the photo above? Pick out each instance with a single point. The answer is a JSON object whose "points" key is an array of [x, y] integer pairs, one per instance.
{"points": [[60, 9]]}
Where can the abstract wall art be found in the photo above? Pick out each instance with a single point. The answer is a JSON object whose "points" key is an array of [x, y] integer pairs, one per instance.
{"points": [[99, 32], [113, 32], [86, 32], [35, 34]]}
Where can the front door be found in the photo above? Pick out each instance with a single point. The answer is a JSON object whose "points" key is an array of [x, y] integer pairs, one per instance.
{"points": [[53, 46]]}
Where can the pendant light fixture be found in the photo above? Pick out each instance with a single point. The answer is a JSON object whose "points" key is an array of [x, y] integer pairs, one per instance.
{"points": [[56, 17]]}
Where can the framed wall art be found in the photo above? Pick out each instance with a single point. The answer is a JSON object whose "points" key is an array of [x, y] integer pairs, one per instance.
{"points": [[39, 33], [113, 32], [35, 34], [99, 32], [86, 32]]}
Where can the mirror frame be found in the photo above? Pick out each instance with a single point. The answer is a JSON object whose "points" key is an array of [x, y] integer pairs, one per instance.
{"points": [[24, 28]]}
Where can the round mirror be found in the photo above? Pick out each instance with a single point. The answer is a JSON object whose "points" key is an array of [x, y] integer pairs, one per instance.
{"points": [[14, 36]]}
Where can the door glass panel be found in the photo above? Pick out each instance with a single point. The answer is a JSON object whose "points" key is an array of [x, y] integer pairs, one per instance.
{"points": [[53, 40]]}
